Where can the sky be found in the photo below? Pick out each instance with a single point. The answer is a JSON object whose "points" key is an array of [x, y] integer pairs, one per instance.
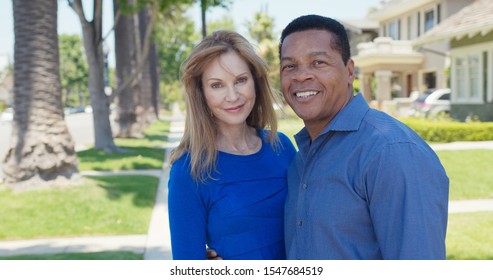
{"points": [[283, 11]]}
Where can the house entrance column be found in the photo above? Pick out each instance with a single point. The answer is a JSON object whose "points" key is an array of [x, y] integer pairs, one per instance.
{"points": [[365, 85], [383, 85]]}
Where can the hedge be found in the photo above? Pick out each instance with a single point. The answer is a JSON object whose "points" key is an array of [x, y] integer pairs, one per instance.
{"points": [[450, 131]]}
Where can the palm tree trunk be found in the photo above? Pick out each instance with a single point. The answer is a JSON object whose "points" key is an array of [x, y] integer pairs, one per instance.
{"points": [[41, 147]]}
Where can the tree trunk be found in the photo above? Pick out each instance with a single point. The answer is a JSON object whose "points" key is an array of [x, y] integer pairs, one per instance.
{"points": [[93, 45], [148, 115], [128, 98], [154, 65], [41, 147], [203, 10]]}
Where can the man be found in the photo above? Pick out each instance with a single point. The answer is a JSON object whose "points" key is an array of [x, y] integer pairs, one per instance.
{"points": [[363, 185]]}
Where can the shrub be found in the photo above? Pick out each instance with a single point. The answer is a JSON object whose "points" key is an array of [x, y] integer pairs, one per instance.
{"points": [[450, 131]]}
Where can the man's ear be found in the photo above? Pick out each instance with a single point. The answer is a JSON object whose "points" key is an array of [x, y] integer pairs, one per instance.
{"points": [[350, 69]]}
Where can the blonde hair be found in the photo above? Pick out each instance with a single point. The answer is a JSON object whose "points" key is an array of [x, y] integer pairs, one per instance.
{"points": [[199, 137]]}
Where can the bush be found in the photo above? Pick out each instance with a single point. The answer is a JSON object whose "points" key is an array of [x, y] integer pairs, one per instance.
{"points": [[450, 131]]}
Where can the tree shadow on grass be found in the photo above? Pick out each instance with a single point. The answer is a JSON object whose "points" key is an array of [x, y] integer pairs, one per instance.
{"points": [[142, 188]]}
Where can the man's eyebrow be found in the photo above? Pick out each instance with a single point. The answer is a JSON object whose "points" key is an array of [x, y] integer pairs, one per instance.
{"points": [[312, 54], [324, 53], [287, 59]]}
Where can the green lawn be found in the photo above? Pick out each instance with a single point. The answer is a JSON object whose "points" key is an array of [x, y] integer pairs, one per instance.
{"points": [[146, 153], [469, 236], [123, 255], [103, 205], [469, 172]]}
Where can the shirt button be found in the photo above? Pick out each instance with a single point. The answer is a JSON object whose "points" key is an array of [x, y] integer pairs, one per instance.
{"points": [[305, 186], [300, 223]]}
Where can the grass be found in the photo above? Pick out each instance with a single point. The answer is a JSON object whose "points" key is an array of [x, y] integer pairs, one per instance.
{"points": [[469, 236], [103, 205], [469, 172], [146, 153], [118, 255]]}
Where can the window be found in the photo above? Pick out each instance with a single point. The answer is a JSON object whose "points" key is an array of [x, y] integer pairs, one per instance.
{"points": [[460, 74], [474, 87], [409, 30], [429, 20], [439, 13], [485, 75], [419, 24], [430, 79], [468, 77], [394, 30]]}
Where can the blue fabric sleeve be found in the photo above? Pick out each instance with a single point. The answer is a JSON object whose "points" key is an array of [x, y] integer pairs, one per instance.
{"points": [[187, 214], [408, 200]]}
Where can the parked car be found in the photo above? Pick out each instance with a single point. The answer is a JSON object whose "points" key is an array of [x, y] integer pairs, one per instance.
{"points": [[433, 102]]}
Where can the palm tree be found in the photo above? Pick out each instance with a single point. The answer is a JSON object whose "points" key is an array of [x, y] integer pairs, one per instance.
{"points": [[41, 148]]}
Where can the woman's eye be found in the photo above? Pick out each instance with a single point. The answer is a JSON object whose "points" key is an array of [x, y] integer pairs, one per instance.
{"points": [[216, 85], [241, 80]]}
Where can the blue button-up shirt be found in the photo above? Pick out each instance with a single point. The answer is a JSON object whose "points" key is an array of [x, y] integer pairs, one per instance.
{"points": [[367, 187]]}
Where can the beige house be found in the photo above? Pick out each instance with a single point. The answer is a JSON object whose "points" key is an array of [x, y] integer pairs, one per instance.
{"points": [[393, 62], [469, 33]]}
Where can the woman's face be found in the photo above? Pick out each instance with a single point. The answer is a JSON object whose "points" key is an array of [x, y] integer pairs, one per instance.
{"points": [[229, 89]]}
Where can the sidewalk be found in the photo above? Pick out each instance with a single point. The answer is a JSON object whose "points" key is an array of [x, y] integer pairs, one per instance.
{"points": [[156, 244]]}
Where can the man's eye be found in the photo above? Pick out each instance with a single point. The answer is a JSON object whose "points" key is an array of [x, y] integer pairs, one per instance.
{"points": [[287, 67]]}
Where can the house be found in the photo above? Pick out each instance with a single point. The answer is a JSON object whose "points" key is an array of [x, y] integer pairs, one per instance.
{"points": [[469, 34], [359, 31], [392, 60]]}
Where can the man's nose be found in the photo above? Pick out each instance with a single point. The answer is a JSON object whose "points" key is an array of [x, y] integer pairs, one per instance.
{"points": [[303, 72]]}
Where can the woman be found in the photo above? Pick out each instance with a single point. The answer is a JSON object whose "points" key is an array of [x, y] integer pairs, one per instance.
{"points": [[227, 182]]}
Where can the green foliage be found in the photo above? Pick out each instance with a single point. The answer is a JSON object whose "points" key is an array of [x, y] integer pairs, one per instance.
{"points": [[174, 40], [133, 6], [450, 131], [469, 236], [261, 30], [74, 70], [103, 205], [110, 255], [225, 23], [356, 86]]}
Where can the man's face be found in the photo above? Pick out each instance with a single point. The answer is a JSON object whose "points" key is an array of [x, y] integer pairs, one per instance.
{"points": [[314, 80]]}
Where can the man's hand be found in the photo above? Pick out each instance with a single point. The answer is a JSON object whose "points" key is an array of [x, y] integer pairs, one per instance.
{"points": [[212, 255]]}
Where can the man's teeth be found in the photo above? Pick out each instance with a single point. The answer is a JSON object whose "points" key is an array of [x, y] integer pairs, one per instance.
{"points": [[305, 93]]}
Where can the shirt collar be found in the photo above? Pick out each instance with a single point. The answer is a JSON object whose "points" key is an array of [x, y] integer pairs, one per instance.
{"points": [[348, 119]]}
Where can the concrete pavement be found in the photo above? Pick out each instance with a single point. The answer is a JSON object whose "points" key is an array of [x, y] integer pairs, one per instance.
{"points": [[156, 244]]}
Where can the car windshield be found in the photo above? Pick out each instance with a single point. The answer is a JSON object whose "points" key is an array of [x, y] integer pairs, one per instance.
{"points": [[422, 98]]}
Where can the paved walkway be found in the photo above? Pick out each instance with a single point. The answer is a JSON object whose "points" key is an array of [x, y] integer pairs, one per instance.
{"points": [[156, 244]]}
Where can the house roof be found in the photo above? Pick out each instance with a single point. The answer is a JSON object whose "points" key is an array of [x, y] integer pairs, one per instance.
{"points": [[473, 19], [392, 8], [360, 25]]}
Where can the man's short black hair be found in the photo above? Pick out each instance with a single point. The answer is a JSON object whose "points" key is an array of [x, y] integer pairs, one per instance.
{"points": [[308, 22]]}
